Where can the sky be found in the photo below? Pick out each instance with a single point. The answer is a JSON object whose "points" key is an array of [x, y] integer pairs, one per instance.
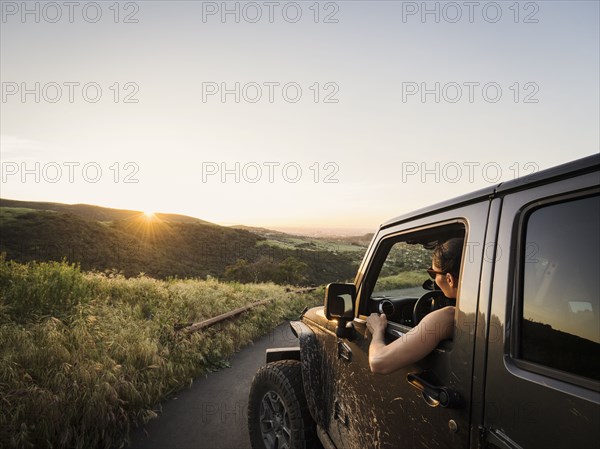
{"points": [[291, 115]]}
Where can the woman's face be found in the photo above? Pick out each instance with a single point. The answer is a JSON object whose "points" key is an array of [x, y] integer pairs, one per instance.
{"points": [[447, 282]]}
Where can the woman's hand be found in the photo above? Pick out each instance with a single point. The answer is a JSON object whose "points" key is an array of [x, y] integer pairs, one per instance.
{"points": [[376, 323]]}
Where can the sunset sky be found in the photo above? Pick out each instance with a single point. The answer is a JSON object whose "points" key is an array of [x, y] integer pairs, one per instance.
{"points": [[127, 111]]}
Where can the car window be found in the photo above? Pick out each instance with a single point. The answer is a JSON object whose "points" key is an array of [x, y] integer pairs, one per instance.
{"points": [[403, 271], [400, 278], [560, 310]]}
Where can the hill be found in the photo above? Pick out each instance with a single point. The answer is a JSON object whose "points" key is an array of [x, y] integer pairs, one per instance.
{"points": [[96, 213], [162, 248], [258, 230], [279, 239]]}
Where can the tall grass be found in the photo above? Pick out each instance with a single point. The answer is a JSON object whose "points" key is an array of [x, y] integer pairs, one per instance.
{"points": [[84, 356]]}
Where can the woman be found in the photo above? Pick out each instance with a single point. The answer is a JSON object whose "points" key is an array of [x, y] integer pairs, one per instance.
{"points": [[433, 328]]}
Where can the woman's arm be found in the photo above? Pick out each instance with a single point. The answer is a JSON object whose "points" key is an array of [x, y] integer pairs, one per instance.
{"points": [[412, 346]]}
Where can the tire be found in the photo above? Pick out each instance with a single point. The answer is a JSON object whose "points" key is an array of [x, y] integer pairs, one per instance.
{"points": [[278, 417]]}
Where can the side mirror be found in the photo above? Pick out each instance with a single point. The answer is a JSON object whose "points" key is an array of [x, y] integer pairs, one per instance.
{"points": [[339, 301], [339, 305]]}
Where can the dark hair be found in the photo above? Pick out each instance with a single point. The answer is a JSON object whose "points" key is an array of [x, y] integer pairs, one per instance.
{"points": [[447, 256]]}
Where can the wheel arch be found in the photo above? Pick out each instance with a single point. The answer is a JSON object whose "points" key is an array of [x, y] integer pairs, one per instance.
{"points": [[312, 369]]}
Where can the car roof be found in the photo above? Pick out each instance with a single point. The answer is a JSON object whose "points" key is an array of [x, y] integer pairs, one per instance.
{"points": [[566, 170]]}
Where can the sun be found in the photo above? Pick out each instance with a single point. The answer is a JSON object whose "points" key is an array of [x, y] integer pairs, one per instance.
{"points": [[149, 215]]}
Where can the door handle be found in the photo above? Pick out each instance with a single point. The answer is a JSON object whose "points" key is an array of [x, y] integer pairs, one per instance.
{"points": [[344, 351], [434, 395]]}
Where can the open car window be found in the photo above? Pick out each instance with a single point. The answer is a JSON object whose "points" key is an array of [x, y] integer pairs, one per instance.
{"points": [[400, 282], [404, 271], [399, 276]]}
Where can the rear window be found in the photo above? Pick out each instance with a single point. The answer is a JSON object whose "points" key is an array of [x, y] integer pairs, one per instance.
{"points": [[560, 307]]}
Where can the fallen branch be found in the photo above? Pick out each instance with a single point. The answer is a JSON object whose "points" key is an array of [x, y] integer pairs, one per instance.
{"points": [[217, 319], [194, 327]]}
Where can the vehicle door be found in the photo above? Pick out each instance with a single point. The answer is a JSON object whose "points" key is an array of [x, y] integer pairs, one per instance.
{"points": [[543, 363], [386, 411]]}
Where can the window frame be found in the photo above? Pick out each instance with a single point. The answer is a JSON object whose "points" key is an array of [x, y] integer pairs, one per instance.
{"points": [[516, 317], [381, 253]]}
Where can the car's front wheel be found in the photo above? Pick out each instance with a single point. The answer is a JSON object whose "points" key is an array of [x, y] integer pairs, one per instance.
{"points": [[278, 417]]}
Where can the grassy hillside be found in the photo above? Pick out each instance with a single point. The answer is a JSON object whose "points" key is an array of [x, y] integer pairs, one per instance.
{"points": [[84, 356], [356, 244], [93, 213], [161, 248]]}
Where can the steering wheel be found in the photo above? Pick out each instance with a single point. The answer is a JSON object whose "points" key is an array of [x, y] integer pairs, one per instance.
{"points": [[427, 303]]}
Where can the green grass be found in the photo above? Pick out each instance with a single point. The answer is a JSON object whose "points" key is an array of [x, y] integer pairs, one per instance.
{"points": [[85, 356], [311, 244], [405, 279]]}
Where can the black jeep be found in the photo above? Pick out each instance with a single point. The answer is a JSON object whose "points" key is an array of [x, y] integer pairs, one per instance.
{"points": [[523, 367]]}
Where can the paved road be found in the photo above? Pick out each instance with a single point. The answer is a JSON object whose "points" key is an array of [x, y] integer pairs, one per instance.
{"points": [[212, 413]]}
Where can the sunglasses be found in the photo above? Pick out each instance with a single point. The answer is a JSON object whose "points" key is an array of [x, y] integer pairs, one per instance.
{"points": [[432, 273]]}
